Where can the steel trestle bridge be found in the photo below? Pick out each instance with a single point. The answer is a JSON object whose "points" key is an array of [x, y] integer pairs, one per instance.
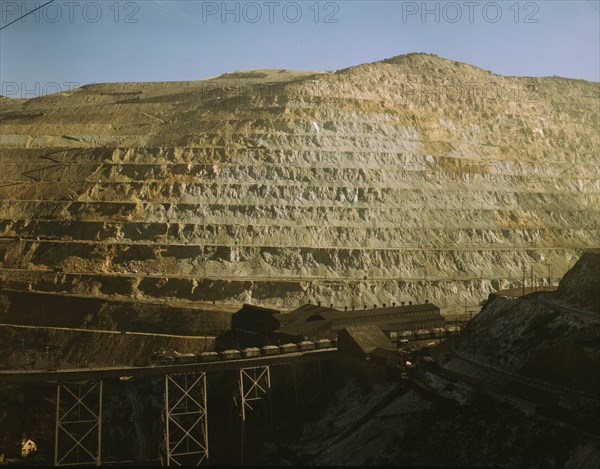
{"points": [[79, 397]]}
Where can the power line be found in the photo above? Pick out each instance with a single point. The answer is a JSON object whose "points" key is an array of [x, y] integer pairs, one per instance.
{"points": [[28, 13]]}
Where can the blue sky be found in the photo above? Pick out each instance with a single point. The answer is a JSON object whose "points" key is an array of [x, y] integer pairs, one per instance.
{"points": [[67, 44]]}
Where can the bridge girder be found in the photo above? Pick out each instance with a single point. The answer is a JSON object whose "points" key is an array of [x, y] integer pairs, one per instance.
{"points": [[186, 419], [78, 433]]}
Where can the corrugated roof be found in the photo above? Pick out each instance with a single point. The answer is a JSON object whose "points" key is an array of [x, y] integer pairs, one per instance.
{"points": [[301, 327], [336, 314], [260, 308], [253, 313], [368, 338], [383, 353], [303, 312], [397, 324]]}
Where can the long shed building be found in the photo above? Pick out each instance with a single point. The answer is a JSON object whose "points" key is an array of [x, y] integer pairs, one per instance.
{"points": [[315, 322]]}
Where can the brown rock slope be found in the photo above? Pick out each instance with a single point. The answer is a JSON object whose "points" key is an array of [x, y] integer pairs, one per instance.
{"points": [[411, 178]]}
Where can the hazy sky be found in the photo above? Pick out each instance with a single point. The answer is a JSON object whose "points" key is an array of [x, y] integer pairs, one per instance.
{"points": [[71, 43]]}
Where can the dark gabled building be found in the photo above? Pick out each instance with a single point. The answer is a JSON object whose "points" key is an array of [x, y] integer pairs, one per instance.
{"points": [[271, 326], [300, 330], [252, 319], [388, 319], [297, 325], [313, 322], [368, 351], [360, 341], [303, 313]]}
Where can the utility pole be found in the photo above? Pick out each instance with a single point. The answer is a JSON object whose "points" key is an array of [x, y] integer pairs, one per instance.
{"points": [[531, 273], [470, 346]]}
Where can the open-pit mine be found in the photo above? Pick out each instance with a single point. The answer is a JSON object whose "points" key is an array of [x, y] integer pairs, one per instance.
{"points": [[407, 179]]}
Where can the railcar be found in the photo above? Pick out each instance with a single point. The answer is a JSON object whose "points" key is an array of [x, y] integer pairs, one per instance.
{"points": [[322, 343], [306, 345], [184, 358], [162, 358], [288, 348], [207, 357], [270, 350], [251, 352], [230, 354]]}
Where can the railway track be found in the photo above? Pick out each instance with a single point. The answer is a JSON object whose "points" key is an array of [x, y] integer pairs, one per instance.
{"points": [[82, 374]]}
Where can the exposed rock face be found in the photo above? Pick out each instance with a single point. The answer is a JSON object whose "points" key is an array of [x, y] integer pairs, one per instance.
{"points": [[549, 336], [580, 287], [411, 178]]}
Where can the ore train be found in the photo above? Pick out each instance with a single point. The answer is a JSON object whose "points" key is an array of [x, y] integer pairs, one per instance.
{"points": [[250, 352], [424, 334], [304, 346]]}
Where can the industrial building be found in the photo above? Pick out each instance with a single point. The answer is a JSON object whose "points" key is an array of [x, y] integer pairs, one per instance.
{"points": [[367, 351], [256, 320], [312, 322]]}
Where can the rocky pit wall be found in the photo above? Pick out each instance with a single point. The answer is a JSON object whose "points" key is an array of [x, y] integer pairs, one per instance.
{"points": [[549, 336], [408, 179]]}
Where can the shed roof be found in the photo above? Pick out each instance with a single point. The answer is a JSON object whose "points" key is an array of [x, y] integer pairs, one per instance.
{"points": [[304, 328], [367, 338], [303, 313], [397, 324], [383, 353], [255, 311], [336, 314]]}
